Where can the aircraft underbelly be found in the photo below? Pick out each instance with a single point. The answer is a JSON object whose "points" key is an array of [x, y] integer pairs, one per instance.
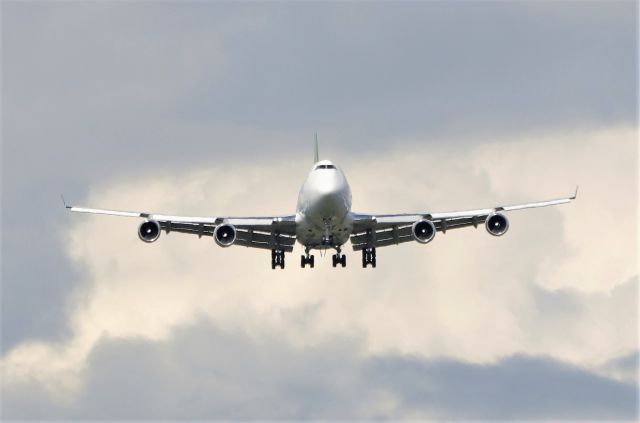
{"points": [[327, 218], [324, 219]]}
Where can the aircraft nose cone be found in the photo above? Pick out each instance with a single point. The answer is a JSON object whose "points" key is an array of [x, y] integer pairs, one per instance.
{"points": [[328, 198], [330, 186]]}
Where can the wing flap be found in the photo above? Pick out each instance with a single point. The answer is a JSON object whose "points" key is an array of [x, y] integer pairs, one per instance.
{"points": [[271, 232], [389, 229], [245, 238]]}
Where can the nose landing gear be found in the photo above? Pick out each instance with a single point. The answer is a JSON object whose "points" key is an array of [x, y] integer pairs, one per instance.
{"points": [[369, 257], [277, 258]]}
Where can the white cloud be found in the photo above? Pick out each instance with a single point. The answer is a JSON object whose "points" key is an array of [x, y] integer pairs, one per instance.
{"points": [[547, 287]]}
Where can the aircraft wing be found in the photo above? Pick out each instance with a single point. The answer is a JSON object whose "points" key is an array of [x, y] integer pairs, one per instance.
{"points": [[266, 232], [389, 229]]}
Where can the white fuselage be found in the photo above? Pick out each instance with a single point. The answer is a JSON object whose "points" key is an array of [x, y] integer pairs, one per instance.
{"points": [[323, 214]]}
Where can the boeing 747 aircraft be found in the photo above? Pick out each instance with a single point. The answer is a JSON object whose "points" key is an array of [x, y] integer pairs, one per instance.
{"points": [[324, 220]]}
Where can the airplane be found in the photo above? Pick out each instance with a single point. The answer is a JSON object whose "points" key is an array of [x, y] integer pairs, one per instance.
{"points": [[324, 221]]}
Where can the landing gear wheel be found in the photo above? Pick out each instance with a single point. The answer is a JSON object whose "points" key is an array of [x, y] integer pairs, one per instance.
{"points": [[308, 259], [277, 259], [339, 259], [369, 257]]}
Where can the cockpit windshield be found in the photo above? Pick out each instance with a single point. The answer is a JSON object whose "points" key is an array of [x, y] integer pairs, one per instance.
{"points": [[325, 167]]}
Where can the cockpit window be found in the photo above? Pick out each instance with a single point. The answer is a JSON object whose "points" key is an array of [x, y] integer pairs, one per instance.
{"points": [[325, 167]]}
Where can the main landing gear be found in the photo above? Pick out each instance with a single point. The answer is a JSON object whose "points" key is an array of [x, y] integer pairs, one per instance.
{"points": [[339, 259], [369, 257], [306, 259], [277, 259]]}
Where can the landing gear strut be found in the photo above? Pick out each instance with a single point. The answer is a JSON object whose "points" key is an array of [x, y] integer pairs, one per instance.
{"points": [[369, 257], [277, 258], [339, 258]]}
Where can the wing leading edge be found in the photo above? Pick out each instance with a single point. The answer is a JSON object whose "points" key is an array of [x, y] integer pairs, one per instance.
{"points": [[390, 229], [266, 232]]}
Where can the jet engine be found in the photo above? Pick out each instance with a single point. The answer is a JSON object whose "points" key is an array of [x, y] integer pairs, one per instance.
{"points": [[225, 235], [149, 231], [497, 224], [423, 231]]}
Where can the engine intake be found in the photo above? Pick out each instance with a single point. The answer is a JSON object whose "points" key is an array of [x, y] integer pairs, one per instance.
{"points": [[497, 224], [423, 231], [225, 235], [149, 231]]}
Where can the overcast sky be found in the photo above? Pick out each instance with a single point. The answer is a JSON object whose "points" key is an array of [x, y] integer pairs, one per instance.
{"points": [[191, 108]]}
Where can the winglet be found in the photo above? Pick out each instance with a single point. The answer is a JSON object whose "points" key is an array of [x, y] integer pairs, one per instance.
{"points": [[66, 206], [316, 157], [575, 195]]}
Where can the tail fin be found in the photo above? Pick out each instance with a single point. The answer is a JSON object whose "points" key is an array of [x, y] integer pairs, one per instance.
{"points": [[316, 157]]}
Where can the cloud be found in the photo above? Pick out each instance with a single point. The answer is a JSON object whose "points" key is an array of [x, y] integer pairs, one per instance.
{"points": [[191, 108], [623, 368], [205, 372], [516, 387], [467, 298], [120, 90], [428, 68]]}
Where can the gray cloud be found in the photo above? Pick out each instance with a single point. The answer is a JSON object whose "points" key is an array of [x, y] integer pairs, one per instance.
{"points": [[204, 372], [431, 68], [624, 367], [517, 387], [101, 94], [106, 91]]}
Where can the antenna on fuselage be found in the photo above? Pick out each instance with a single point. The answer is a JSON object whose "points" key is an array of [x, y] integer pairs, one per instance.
{"points": [[316, 157]]}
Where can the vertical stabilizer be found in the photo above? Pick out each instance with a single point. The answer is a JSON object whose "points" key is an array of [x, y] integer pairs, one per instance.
{"points": [[316, 157]]}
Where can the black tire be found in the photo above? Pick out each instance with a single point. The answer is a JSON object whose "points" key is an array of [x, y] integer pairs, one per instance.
{"points": [[343, 261], [311, 261]]}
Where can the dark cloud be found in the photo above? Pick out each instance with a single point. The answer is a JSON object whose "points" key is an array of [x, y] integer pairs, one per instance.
{"points": [[518, 387], [205, 373], [431, 68]]}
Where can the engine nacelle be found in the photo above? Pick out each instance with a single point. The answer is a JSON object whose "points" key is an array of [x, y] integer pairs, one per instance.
{"points": [[225, 235], [423, 231], [497, 224], [149, 231]]}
